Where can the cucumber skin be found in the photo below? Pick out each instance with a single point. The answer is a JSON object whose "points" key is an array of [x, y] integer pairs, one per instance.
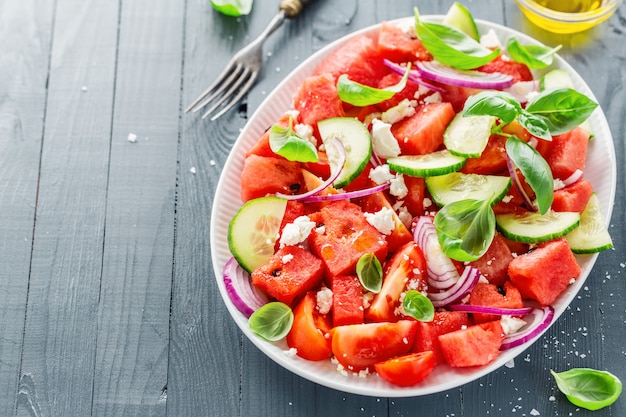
{"points": [[578, 239], [505, 222]]}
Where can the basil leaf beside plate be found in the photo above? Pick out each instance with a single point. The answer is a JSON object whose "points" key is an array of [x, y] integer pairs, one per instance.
{"points": [[232, 7]]}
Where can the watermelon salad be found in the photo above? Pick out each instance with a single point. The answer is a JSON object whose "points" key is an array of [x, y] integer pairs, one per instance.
{"points": [[420, 205]]}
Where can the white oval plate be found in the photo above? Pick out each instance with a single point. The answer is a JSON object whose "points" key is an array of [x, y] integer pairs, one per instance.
{"points": [[600, 170]]}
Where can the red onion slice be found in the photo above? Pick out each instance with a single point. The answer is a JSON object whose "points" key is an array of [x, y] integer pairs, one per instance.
{"points": [[245, 297], [344, 196], [541, 319], [413, 76], [518, 183], [333, 176], [468, 280], [490, 310], [438, 72], [442, 272], [576, 175]]}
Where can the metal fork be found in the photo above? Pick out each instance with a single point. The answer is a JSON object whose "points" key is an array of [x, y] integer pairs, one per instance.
{"points": [[244, 68]]}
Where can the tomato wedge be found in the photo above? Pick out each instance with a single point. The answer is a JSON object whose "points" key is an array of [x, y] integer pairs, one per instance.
{"points": [[407, 370], [360, 346], [309, 333]]}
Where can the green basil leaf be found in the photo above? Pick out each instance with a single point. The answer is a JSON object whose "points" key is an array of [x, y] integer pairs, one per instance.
{"points": [[465, 229], [588, 388], [232, 7], [535, 170], [418, 306], [272, 321], [563, 109], [534, 56], [535, 125], [286, 143], [493, 103], [452, 47], [370, 272], [361, 95]]}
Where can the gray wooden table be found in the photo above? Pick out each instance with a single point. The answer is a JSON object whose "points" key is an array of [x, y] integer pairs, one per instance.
{"points": [[108, 302]]}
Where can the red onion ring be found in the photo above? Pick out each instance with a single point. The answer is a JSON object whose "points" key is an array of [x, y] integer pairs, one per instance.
{"points": [[342, 160], [442, 272], [413, 76], [490, 310], [469, 278], [438, 72], [576, 175], [344, 196], [245, 297], [541, 319]]}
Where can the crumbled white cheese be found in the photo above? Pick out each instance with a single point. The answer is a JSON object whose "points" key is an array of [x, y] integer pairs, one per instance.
{"points": [[296, 232], [367, 299], [384, 144], [405, 217], [324, 299], [398, 112], [511, 324], [558, 184], [507, 198], [534, 412], [381, 174], [192, 170], [398, 187], [490, 40], [291, 353], [306, 132], [286, 258], [510, 364], [132, 138], [433, 98], [427, 202], [382, 220]]}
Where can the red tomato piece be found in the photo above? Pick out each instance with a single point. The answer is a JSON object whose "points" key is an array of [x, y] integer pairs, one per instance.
{"points": [[309, 333], [360, 346], [407, 370]]}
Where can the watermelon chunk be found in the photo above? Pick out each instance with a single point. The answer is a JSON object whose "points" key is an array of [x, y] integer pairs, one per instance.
{"points": [[568, 152], [518, 70], [279, 176], [489, 295], [574, 197], [492, 161], [494, 264], [317, 99], [422, 133], [427, 336], [545, 272], [289, 274], [397, 45], [473, 346], [347, 300], [262, 146]]}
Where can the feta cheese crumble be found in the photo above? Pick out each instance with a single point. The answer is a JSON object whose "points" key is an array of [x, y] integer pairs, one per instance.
{"points": [[296, 232], [400, 111], [382, 220], [324, 299], [384, 143], [381, 174]]}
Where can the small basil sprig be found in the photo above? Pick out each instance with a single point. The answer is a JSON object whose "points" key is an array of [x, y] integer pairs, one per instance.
{"points": [[272, 321], [418, 306], [534, 56], [284, 141], [232, 7], [360, 95], [588, 388], [370, 272], [535, 170], [452, 47], [465, 228]]}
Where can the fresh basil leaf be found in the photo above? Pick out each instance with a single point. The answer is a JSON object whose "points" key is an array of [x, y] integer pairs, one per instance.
{"points": [[272, 321], [535, 125], [493, 103], [535, 170], [284, 141], [452, 47], [370, 272], [534, 56], [361, 95], [232, 7], [563, 109], [465, 229], [418, 306], [588, 388]]}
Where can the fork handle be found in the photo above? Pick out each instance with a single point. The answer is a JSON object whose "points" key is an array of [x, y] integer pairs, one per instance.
{"points": [[292, 8]]}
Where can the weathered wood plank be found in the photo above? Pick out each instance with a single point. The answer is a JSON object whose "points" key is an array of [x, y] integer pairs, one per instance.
{"points": [[25, 32], [60, 333], [133, 315]]}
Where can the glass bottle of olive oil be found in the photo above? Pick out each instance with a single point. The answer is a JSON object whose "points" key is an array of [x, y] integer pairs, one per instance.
{"points": [[570, 6]]}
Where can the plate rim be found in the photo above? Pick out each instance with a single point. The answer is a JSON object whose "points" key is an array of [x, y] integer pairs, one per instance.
{"points": [[352, 384]]}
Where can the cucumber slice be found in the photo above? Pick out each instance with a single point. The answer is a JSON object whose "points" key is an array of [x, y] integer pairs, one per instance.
{"points": [[356, 141], [559, 78], [253, 230], [536, 228], [459, 17], [432, 164], [456, 186], [591, 235], [468, 136]]}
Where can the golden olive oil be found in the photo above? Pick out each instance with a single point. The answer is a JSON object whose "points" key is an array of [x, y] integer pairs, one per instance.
{"points": [[570, 6]]}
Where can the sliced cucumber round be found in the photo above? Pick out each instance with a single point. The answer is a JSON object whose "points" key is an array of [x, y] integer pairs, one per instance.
{"points": [[468, 136], [591, 236], [459, 17], [536, 228], [456, 186], [429, 165], [253, 230], [357, 144]]}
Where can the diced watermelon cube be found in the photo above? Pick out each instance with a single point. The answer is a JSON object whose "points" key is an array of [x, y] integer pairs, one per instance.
{"points": [[476, 345], [262, 147], [519, 71], [317, 99], [490, 296], [568, 152], [574, 197], [427, 336], [347, 300], [422, 133], [289, 274], [493, 265], [278, 176], [397, 45], [491, 161], [545, 272]]}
